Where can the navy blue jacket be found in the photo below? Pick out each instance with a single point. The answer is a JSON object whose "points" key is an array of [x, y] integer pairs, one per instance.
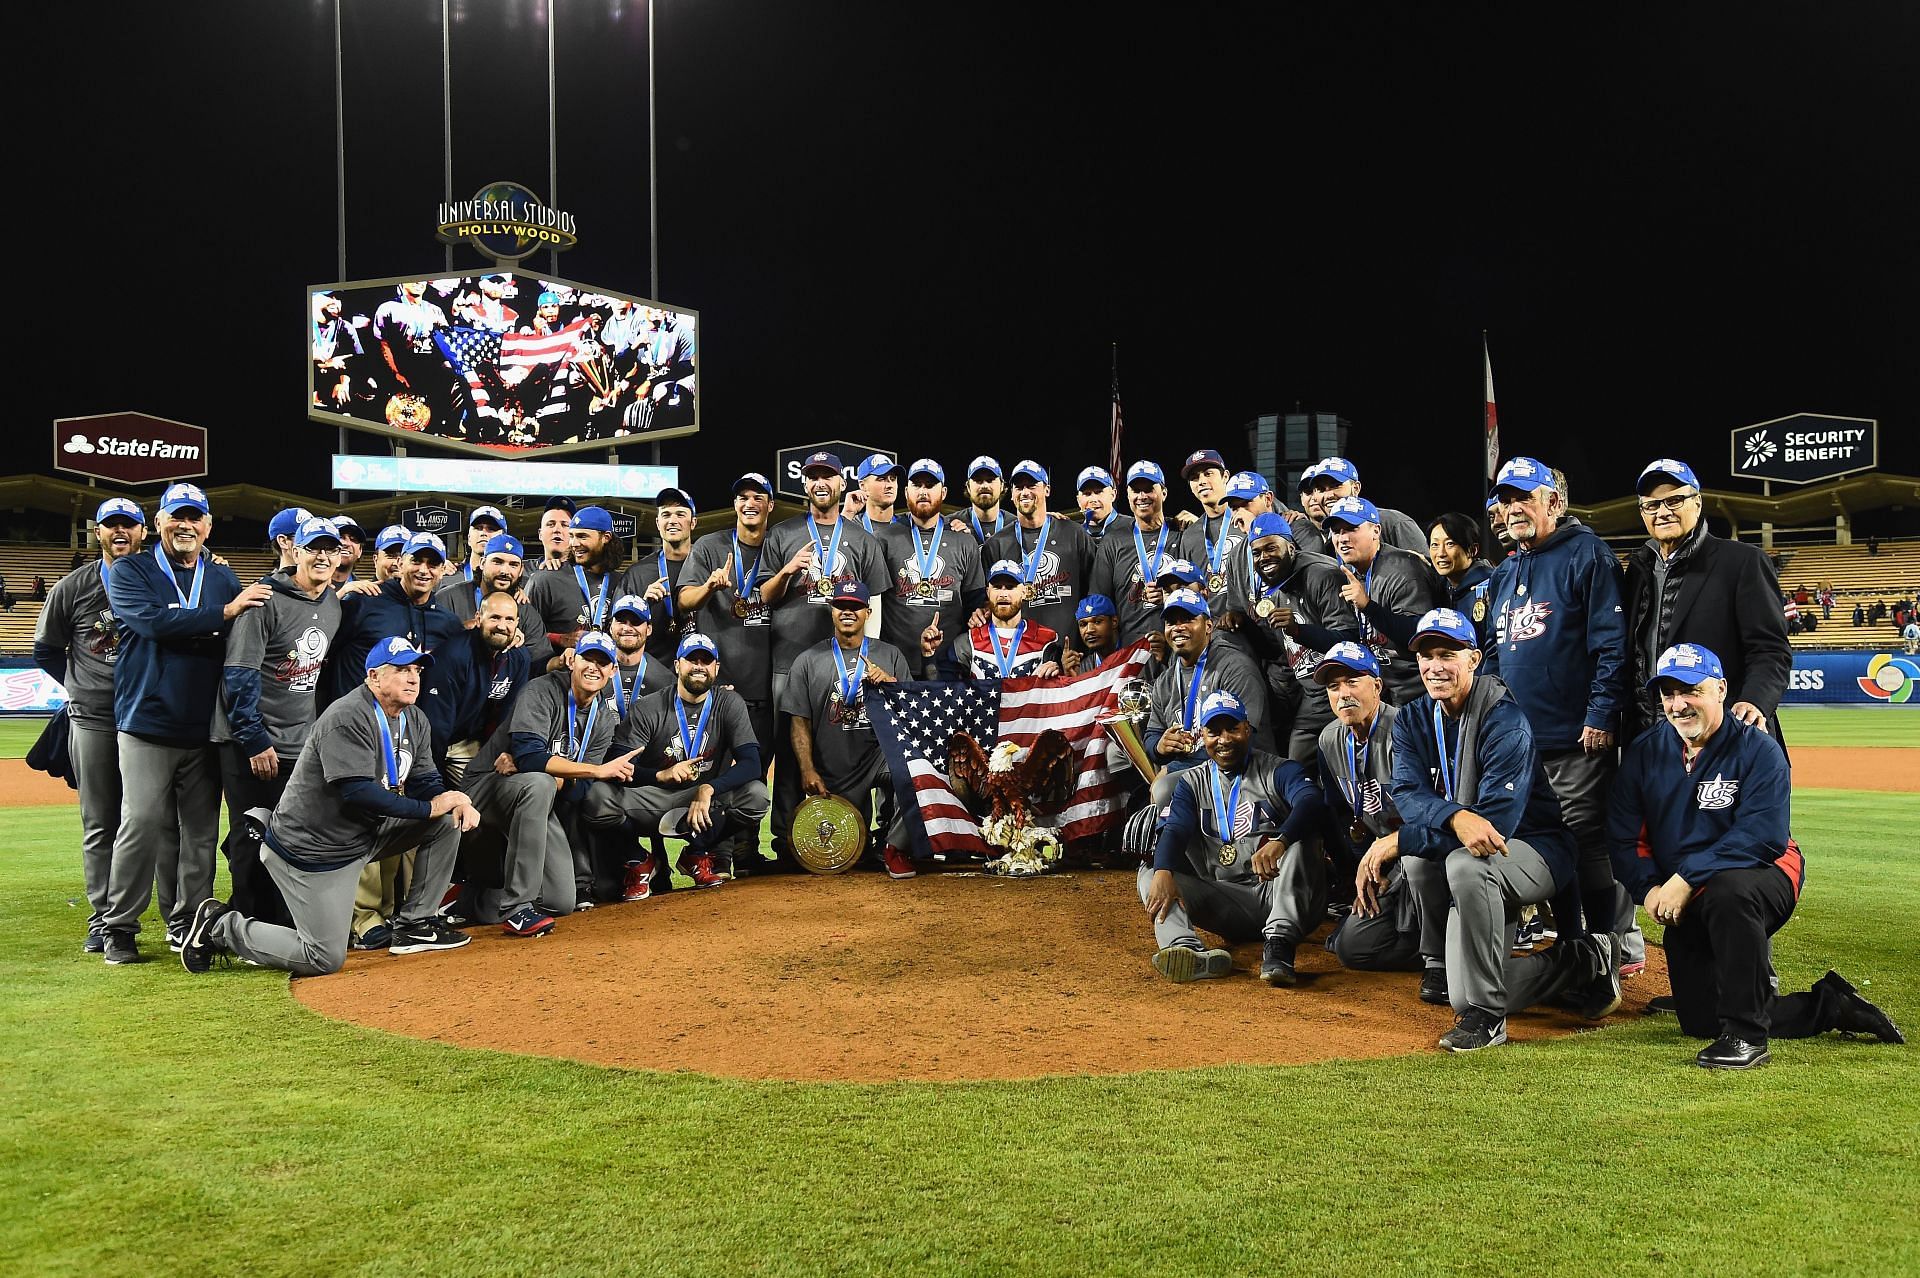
{"points": [[455, 693], [1512, 792], [1730, 812], [1557, 637], [168, 674], [367, 619]]}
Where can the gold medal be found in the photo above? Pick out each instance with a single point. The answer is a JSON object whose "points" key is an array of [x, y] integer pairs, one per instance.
{"points": [[1480, 609], [1265, 608], [924, 589], [1229, 854], [1216, 582], [740, 609], [823, 588]]}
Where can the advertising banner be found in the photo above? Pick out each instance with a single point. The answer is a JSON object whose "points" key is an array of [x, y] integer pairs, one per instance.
{"points": [[25, 689], [1805, 448], [130, 448], [1857, 678]]}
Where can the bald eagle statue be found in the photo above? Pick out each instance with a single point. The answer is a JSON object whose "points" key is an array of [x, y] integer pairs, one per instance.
{"points": [[1009, 781]]}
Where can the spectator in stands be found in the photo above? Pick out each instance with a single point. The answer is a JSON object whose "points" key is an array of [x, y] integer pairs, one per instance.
{"points": [[39, 588], [1827, 601], [1873, 545], [1859, 615], [1792, 611], [1876, 612], [1800, 595], [1910, 635]]}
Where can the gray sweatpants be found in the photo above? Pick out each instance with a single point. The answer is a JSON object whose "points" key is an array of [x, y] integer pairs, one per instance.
{"points": [[1290, 904], [95, 751], [609, 805], [1410, 928], [321, 901], [857, 788], [170, 826], [1582, 783], [1482, 970], [539, 858]]}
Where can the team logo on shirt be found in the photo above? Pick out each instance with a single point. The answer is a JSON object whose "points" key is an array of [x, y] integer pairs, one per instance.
{"points": [[300, 668], [1050, 585], [927, 590], [103, 637], [403, 759], [1718, 794], [1524, 621]]}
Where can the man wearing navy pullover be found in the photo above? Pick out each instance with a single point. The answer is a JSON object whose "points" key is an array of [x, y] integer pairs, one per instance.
{"points": [[1476, 811], [1557, 637], [1699, 830], [173, 607], [401, 605]]}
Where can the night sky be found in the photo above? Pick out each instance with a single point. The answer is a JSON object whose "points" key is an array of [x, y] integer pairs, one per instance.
{"points": [[922, 226]]}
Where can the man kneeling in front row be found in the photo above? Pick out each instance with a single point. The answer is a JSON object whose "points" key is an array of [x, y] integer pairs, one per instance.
{"points": [[1235, 854], [365, 788], [1699, 830]]}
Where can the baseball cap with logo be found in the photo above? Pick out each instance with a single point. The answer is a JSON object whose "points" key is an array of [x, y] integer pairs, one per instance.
{"points": [[1220, 704], [343, 523], [1201, 458], [929, 467], [312, 530], [697, 642], [560, 503], [393, 535], [118, 508], [1268, 524], [592, 519], [1445, 623], [850, 590], [1688, 663], [506, 544], [983, 463], [877, 464], [1493, 499], [487, 512], [1005, 568], [1308, 475], [1666, 468], [1186, 601], [1181, 570], [1524, 473], [752, 479], [1346, 655], [595, 641], [1338, 469], [397, 650], [287, 522], [1098, 476], [632, 606], [1030, 469], [1245, 486], [1149, 471], [1352, 512], [183, 496], [424, 541], [1094, 606], [669, 497], [822, 460]]}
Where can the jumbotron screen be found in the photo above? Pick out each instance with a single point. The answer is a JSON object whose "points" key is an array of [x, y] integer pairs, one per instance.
{"points": [[501, 363]]}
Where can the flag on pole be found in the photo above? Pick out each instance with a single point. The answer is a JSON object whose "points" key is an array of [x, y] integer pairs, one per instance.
{"points": [[914, 722], [1493, 418], [1115, 466]]}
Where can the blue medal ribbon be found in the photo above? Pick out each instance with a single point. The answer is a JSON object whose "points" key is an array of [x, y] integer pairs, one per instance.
{"points": [[693, 742], [850, 679], [743, 576], [1225, 806], [981, 533], [1352, 787], [1013, 647], [199, 579], [620, 689], [1193, 689], [596, 609], [1150, 569], [666, 598], [577, 745], [387, 755], [825, 555], [926, 557], [1216, 550], [1448, 774], [1030, 563]]}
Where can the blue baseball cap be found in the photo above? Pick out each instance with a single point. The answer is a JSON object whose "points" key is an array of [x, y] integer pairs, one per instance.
{"points": [[1094, 606], [1203, 457], [1030, 469], [1006, 568], [287, 522], [1180, 570], [878, 464], [697, 642], [927, 466], [1353, 511], [1221, 704], [1245, 486], [1268, 524], [1524, 473], [850, 590], [487, 512], [981, 463], [1689, 663], [595, 641], [424, 541], [559, 502], [1666, 468], [506, 544], [822, 460], [1098, 476], [592, 519], [674, 497], [548, 299], [1187, 601], [312, 530], [391, 535], [397, 650], [118, 508], [1347, 655], [1338, 469], [752, 479], [632, 605], [1446, 624], [180, 496], [1493, 499], [1149, 471], [342, 522], [1308, 475]]}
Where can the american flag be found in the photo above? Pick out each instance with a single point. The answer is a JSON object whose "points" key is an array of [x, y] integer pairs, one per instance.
{"points": [[914, 721], [524, 350], [469, 350], [1113, 461]]}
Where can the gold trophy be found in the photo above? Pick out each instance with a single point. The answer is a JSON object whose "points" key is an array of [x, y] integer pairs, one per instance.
{"points": [[1132, 701]]}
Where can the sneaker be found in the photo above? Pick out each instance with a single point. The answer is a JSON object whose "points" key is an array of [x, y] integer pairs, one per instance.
{"points": [[583, 904], [197, 948], [1183, 963], [1662, 1004], [1857, 1015], [1276, 962], [898, 866], [176, 939], [416, 936], [1601, 994], [1474, 1029], [119, 948], [1728, 1052], [527, 921], [1529, 932], [700, 869], [1632, 969], [1433, 986], [639, 881], [96, 943], [377, 937]]}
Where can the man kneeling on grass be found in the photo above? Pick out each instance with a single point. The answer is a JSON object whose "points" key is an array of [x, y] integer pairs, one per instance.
{"points": [[364, 788], [1698, 823], [1236, 854]]}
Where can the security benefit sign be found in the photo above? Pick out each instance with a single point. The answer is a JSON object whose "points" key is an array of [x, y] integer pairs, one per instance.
{"points": [[1861, 677], [130, 448], [1805, 448]]}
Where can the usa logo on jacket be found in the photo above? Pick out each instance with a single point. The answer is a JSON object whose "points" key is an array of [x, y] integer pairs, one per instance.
{"points": [[1718, 794], [1523, 621]]}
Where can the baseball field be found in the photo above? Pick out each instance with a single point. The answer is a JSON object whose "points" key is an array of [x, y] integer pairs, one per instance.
{"points": [[153, 1121]]}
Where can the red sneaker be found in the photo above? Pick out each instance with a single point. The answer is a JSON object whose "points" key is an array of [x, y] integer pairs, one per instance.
{"points": [[527, 921], [898, 866], [700, 870], [1633, 969], [639, 883]]}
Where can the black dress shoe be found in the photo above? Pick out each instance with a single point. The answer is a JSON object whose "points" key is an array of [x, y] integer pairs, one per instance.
{"points": [[1728, 1052], [1857, 1015]]}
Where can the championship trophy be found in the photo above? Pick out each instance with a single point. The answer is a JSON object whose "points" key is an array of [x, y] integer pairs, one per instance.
{"points": [[1133, 700], [828, 834]]}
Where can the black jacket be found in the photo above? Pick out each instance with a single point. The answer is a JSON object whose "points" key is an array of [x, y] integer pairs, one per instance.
{"points": [[1722, 595]]}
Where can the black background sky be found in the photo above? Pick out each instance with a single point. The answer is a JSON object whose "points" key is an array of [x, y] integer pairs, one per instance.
{"points": [[922, 225]]}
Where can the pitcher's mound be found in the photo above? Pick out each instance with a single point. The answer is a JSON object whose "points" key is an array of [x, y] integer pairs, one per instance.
{"points": [[859, 978]]}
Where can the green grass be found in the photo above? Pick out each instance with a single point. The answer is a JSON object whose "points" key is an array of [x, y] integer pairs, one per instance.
{"points": [[1851, 726], [153, 1121], [18, 735]]}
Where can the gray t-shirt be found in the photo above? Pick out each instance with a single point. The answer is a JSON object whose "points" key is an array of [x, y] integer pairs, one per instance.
{"points": [[1117, 575], [1228, 669], [311, 824], [668, 624], [951, 575], [1209, 545], [739, 624], [634, 683], [541, 711], [566, 609], [843, 743], [458, 596], [1060, 574], [653, 728], [286, 640], [78, 618], [802, 617]]}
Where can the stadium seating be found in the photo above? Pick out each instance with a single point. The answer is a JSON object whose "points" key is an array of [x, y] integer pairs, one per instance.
{"points": [[20, 561], [1856, 577]]}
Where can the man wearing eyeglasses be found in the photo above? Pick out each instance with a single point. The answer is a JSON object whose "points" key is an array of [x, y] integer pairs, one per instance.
{"points": [[1687, 586]]}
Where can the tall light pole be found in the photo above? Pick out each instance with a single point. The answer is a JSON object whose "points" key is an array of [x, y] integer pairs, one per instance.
{"points": [[653, 176]]}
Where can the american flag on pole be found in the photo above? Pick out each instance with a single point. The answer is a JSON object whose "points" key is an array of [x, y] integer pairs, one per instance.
{"points": [[1493, 418], [1114, 464], [913, 723]]}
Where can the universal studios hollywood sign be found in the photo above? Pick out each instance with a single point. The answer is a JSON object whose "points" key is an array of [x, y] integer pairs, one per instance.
{"points": [[506, 222]]}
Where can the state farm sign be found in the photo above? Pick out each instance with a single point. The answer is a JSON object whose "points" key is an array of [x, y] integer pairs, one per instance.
{"points": [[130, 448]]}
